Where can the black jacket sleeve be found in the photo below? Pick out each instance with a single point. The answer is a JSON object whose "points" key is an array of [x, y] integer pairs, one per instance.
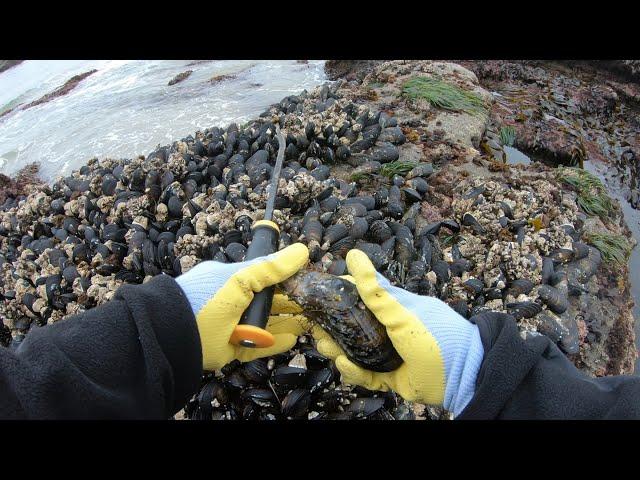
{"points": [[532, 379], [137, 356]]}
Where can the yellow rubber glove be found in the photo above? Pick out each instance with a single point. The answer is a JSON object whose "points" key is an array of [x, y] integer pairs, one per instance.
{"points": [[442, 351], [219, 293]]}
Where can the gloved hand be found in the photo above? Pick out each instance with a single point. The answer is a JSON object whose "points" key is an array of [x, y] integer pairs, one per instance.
{"points": [[219, 293], [442, 351]]}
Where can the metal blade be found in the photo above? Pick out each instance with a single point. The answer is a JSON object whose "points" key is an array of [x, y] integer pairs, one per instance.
{"points": [[275, 178]]}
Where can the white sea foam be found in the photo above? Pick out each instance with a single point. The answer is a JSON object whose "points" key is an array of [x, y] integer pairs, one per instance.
{"points": [[126, 108]]}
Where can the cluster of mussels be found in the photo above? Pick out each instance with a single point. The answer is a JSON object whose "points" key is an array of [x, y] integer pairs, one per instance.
{"points": [[300, 384], [68, 247], [520, 252]]}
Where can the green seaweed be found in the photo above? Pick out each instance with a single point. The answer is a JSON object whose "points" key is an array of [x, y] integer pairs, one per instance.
{"points": [[592, 196], [359, 176], [399, 167], [443, 95], [614, 248], [508, 135]]}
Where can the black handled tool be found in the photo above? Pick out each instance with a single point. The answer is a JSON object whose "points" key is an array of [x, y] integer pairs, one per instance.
{"points": [[251, 331]]}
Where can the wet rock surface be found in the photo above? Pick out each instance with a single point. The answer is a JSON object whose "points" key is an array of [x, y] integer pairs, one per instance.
{"points": [[180, 77], [365, 167]]}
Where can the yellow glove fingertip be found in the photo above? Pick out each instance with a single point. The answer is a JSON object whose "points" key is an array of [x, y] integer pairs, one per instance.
{"points": [[359, 264], [294, 257], [283, 342], [351, 373], [329, 348]]}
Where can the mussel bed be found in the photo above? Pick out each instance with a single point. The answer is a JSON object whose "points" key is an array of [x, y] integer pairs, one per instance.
{"points": [[67, 247]]}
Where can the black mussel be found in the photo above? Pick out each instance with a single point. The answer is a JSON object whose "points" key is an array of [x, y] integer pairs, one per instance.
{"points": [[474, 192], [287, 376], [342, 246], [460, 306], [432, 228], [232, 236], [310, 130], [562, 330], [393, 209], [548, 269], [561, 255], [441, 269], [420, 170], [333, 233], [415, 279], [410, 223], [113, 232], [256, 371], [373, 215], [523, 309], [474, 285], [185, 230], [321, 172], [384, 152], [388, 247], [469, 220], [359, 227], [425, 249], [319, 379], [365, 407], [411, 195], [215, 148], [337, 267], [80, 253], [263, 397], [89, 233], [57, 206], [343, 152], [521, 286], [101, 249], [404, 249], [296, 403], [52, 288], [70, 224], [571, 231], [506, 209], [451, 225], [166, 179], [175, 207], [379, 231], [109, 183], [368, 201], [168, 237], [458, 267], [137, 239], [580, 250], [199, 149], [520, 235], [553, 298], [374, 252], [393, 135], [235, 252]]}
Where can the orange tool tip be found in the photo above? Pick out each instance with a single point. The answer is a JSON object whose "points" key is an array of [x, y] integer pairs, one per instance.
{"points": [[250, 336]]}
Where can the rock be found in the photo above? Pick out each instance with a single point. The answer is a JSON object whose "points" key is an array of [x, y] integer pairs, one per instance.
{"points": [[180, 77]]}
